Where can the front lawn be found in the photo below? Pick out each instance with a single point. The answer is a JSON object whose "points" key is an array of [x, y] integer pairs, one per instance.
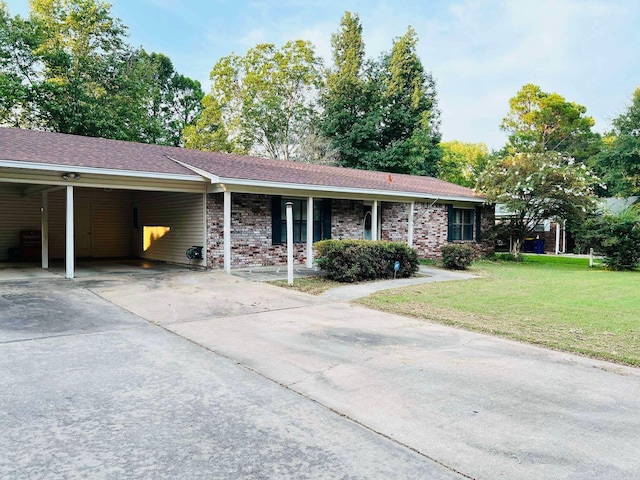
{"points": [[565, 306]]}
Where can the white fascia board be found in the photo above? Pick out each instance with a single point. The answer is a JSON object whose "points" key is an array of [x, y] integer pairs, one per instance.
{"points": [[357, 191], [98, 171], [203, 173]]}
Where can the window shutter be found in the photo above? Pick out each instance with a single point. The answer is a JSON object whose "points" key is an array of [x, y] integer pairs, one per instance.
{"points": [[326, 219], [276, 218], [478, 223], [450, 226]]}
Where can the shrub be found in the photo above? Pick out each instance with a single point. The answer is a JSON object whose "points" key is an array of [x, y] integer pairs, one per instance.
{"points": [[505, 257], [358, 260], [457, 256], [617, 237]]}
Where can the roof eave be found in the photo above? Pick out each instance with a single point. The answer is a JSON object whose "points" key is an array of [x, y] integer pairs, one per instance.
{"points": [[349, 190], [100, 171]]}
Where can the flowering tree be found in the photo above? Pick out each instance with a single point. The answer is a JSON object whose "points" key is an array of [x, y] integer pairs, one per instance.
{"points": [[534, 187]]}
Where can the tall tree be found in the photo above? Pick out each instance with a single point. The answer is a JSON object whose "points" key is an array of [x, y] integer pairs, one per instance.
{"points": [[540, 122], [462, 163], [267, 97], [173, 101], [410, 122], [208, 131], [67, 68], [381, 115], [349, 100], [619, 161]]}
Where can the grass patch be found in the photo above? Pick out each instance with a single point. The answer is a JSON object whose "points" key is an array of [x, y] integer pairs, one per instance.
{"points": [[312, 285], [559, 304], [555, 260]]}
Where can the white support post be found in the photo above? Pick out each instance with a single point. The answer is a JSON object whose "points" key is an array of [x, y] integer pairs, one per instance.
{"points": [[227, 232], [564, 236], [412, 207], [70, 249], [557, 237], [310, 232], [290, 242], [591, 257], [374, 220], [45, 230]]}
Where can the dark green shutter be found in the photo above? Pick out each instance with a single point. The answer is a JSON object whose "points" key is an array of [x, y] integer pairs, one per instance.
{"points": [[471, 222], [450, 229], [326, 219], [276, 219], [478, 223]]}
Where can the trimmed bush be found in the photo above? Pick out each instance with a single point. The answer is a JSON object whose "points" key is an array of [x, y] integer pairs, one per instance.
{"points": [[457, 256], [357, 260]]}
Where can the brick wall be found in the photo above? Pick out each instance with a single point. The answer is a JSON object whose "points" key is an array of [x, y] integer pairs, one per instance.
{"points": [[347, 219], [395, 222], [251, 242], [250, 233], [429, 229]]}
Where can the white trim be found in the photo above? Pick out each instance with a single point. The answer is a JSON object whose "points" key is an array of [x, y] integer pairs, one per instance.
{"points": [[69, 249], [227, 232], [203, 173], [374, 221], [98, 171], [333, 189], [205, 239], [310, 232], [45, 230], [412, 207]]}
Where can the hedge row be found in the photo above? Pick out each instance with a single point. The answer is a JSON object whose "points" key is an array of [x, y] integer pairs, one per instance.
{"points": [[358, 260]]}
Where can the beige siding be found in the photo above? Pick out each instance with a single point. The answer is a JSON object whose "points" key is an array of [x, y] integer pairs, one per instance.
{"points": [[110, 221], [182, 213], [16, 214]]}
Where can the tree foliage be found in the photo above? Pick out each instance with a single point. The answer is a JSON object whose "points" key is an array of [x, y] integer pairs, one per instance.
{"points": [[536, 186], [67, 68], [617, 236], [462, 163], [380, 115], [266, 98], [619, 161], [541, 122]]}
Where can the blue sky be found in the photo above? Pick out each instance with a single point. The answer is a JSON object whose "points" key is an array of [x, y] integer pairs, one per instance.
{"points": [[479, 51]]}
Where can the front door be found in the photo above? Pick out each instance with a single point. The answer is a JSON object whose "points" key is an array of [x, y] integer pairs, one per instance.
{"points": [[82, 229]]}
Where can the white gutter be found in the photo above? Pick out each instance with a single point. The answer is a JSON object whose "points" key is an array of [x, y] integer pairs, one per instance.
{"points": [[361, 191], [97, 171]]}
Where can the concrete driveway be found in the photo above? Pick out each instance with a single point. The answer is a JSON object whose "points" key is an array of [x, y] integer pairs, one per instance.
{"points": [[294, 386]]}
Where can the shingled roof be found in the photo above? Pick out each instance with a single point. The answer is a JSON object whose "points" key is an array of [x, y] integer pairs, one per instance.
{"points": [[31, 146]]}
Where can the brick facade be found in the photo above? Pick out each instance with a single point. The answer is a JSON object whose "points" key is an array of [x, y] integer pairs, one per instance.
{"points": [[251, 236]]}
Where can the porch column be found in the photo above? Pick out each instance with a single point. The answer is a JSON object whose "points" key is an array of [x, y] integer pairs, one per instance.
{"points": [[374, 220], [557, 237], [310, 232], [227, 232], [45, 230], [70, 250], [564, 236], [412, 206]]}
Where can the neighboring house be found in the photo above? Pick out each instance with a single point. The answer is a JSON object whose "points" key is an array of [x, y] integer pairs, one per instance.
{"points": [[98, 198], [616, 205]]}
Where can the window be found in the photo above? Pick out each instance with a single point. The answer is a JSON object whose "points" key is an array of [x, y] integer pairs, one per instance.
{"points": [[321, 220], [460, 224]]}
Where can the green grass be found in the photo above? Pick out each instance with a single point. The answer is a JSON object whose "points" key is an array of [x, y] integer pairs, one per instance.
{"points": [[312, 285], [556, 303]]}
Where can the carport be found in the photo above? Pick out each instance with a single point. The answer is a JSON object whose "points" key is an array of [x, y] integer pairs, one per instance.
{"points": [[68, 206]]}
